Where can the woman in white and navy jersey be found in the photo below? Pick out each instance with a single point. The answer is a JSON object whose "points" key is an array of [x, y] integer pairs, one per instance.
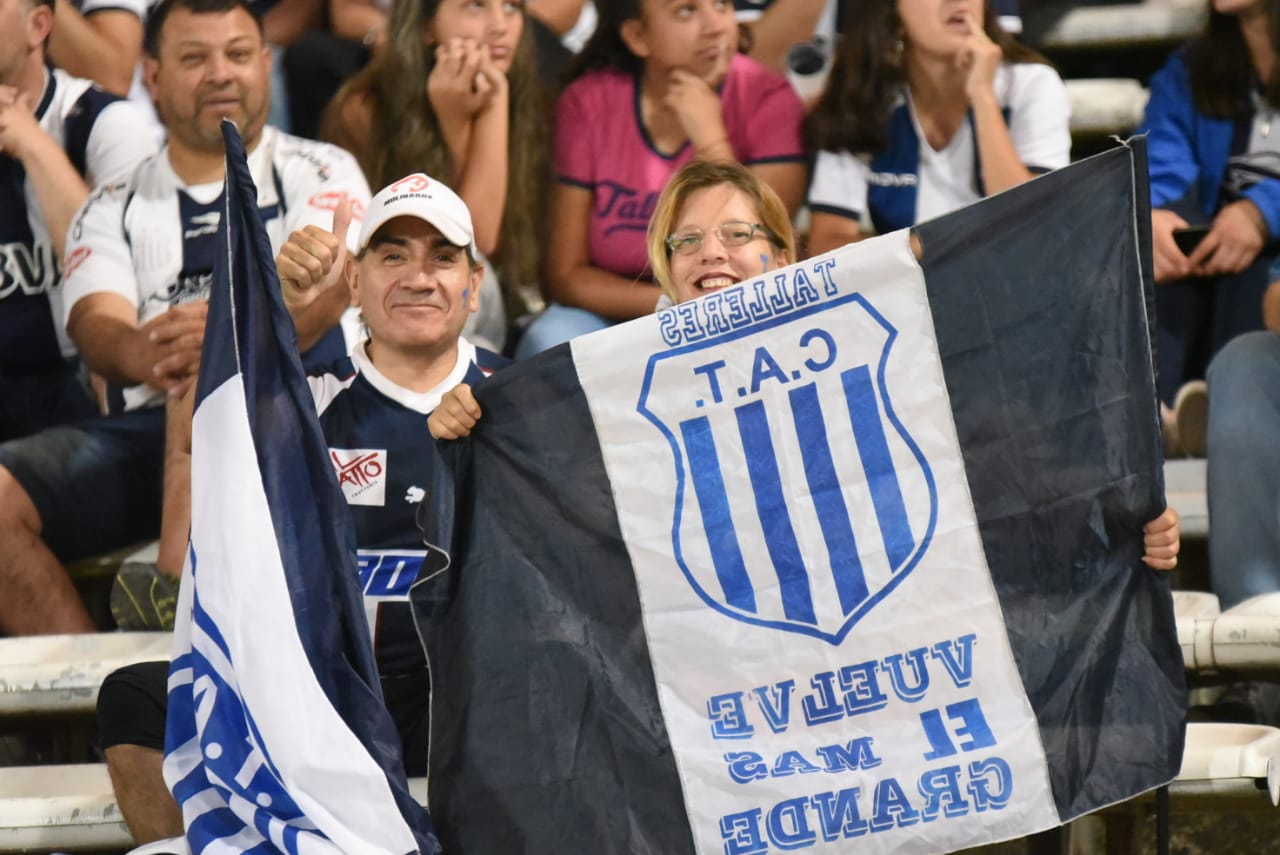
{"points": [[930, 106]]}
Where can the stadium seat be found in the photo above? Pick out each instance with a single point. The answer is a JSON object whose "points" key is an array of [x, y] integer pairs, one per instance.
{"points": [[62, 673], [1228, 763], [1104, 106], [1184, 485], [65, 807], [71, 807], [1240, 641], [1155, 21]]}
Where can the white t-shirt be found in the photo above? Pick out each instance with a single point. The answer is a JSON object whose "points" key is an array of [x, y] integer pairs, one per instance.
{"points": [[138, 93], [910, 182], [575, 38], [151, 238]]}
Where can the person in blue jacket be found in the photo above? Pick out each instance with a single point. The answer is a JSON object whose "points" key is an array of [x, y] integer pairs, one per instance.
{"points": [[1215, 163]]}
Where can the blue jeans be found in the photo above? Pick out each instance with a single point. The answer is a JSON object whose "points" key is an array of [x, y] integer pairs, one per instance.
{"points": [[557, 324], [278, 106], [1244, 468], [1195, 317]]}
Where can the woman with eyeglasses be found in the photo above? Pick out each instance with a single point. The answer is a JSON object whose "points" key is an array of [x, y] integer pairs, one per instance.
{"points": [[716, 224]]}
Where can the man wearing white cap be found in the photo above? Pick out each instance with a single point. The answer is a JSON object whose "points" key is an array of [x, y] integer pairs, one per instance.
{"points": [[415, 281]]}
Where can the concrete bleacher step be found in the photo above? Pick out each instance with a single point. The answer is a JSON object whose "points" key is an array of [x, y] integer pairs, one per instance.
{"points": [[1152, 22], [59, 808], [72, 807], [1104, 106], [1184, 488], [62, 673]]}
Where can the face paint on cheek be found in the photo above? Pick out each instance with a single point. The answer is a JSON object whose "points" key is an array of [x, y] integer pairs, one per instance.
{"points": [[466, 294], [764, 263]]}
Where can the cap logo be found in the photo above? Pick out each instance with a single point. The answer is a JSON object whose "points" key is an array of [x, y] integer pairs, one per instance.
{"points": [[413, 184]]}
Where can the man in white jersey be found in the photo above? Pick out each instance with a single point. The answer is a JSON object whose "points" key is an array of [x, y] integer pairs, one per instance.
{"points": [[58, 137], [141, 257]]}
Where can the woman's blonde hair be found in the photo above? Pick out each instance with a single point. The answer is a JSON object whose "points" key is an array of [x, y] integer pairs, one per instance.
{"points": [[699, 175]]}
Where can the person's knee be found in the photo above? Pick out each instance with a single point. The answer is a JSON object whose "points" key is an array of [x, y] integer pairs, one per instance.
{"points": [[16, 506], [131, 706], [1242, 380], [1244, 365]]}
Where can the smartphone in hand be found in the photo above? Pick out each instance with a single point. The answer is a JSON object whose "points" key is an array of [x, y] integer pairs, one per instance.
{"points": [[1189, 238]]}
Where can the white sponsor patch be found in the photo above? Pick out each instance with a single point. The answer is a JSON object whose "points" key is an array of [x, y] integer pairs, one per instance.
{"points": [[362, 474]]}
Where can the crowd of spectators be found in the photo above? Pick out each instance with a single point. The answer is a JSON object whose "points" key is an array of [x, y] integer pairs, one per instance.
{"points": [[559, 123]]}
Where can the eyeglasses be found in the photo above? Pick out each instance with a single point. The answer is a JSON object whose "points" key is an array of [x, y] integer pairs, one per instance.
{"points": [[731, 233]]}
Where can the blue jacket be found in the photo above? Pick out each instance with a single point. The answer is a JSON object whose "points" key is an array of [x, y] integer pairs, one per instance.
{"points": [[1188, 151]]}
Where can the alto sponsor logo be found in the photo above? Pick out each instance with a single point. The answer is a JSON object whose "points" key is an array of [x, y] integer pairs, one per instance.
{"points": [[202, 224], [75, 258], [362, 474]]}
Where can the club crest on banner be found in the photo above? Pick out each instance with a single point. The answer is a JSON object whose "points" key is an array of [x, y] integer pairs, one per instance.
{"points": [[802, 399]]}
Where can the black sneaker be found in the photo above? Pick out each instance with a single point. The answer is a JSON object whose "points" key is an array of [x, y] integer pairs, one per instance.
{"points": [[143, 598]]}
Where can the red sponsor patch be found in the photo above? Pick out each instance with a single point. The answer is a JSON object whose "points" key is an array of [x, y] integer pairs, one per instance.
{"points": [[413, 184], [327, 201], [331, 199], [74, 260]]}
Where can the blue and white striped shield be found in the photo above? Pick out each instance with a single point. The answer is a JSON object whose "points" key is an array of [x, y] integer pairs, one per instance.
{"points": [[752, 549]]}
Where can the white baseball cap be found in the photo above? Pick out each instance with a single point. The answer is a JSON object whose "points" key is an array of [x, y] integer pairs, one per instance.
{"points": [[420, 196]]}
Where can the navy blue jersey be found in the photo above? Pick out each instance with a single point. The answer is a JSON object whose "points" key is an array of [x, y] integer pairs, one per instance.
{"points": [[94, 129], [382, 454]]}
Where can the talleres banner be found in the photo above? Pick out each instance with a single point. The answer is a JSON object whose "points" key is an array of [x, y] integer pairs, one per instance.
{"points": [[844, 558]]}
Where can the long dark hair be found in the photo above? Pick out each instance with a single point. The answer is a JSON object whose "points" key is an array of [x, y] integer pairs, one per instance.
{"points": [[852, 114], [606, 49], [406, 137], [1221, 70]]}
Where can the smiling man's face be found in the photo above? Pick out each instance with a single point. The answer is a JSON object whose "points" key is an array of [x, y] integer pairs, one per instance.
{"points": [[414, 288], [210, 67]]}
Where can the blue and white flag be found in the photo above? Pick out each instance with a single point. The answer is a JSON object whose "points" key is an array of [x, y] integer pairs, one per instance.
{"points": [[277, 739], [844, 558]]}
